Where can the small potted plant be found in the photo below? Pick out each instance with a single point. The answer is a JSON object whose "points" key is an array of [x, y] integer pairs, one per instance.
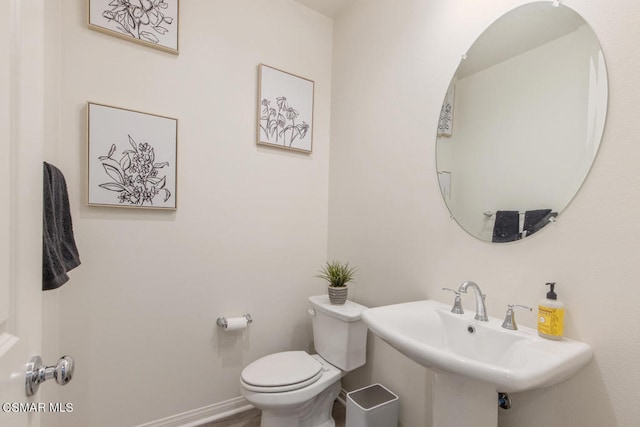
{"points": [[338, 274]]}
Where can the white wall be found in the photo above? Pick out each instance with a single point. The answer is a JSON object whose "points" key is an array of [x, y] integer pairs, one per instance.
{"points": [[250, 230], [392, 64]]}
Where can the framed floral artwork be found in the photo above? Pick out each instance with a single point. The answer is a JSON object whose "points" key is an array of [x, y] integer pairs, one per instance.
{"points": [[151, 22], [445, 123], [285, 110], [132, 158]]}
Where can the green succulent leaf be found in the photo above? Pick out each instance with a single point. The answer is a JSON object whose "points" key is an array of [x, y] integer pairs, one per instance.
{"points": [[337, 273]]}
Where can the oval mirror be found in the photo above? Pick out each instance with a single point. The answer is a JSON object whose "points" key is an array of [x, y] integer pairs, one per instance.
{"points": [[521, 122]]}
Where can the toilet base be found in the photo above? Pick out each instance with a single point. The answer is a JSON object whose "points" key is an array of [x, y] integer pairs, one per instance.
{"points": [[315, 413]]}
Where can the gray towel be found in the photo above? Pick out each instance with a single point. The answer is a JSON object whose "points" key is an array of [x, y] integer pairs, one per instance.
{"points": [[506, 227], [536, 219], [59, 251]]}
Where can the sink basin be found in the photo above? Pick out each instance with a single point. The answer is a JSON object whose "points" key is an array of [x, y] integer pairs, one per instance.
{"points": [[505, 360]]}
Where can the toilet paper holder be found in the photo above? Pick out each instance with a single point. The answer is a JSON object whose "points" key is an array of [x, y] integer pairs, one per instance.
{"points": [[222, 321]]}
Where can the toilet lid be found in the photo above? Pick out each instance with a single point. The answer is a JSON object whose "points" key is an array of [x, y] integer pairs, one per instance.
{"points": [[286, 369]]}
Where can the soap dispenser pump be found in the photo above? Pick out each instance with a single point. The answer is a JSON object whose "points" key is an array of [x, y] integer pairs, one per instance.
{"points": [[551, 315]]}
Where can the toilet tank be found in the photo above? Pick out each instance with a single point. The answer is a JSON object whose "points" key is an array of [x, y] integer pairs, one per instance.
{"points": [[339, 333]]}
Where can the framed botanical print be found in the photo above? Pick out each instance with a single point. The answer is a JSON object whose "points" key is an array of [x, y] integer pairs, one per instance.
{"points": [[131, 158], [285, 110], [151, 22]]}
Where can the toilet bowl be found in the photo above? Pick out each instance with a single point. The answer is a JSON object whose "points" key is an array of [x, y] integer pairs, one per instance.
{"points": [[306, 401], [296, 389]]}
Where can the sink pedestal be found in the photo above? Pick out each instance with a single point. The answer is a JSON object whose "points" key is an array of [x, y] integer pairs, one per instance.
{"points": [[459, 401]]}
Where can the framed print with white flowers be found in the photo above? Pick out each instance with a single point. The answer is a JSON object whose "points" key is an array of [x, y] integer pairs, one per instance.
{"points": [[285, 110], [131, 158], [151, 22]]}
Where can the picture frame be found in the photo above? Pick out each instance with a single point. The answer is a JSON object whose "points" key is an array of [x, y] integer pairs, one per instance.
{"points": [[131, 158], [151, 23], [444, 180], [445, 123], [285, 110]]}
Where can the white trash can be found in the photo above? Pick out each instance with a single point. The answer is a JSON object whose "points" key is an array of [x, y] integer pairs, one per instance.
{"points": [[372, 406]]}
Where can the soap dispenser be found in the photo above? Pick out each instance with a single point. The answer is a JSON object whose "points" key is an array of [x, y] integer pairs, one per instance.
{"points": [[551, 315]]}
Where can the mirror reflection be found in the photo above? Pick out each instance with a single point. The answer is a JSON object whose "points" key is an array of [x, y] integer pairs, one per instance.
{"points": [[521, 122]]}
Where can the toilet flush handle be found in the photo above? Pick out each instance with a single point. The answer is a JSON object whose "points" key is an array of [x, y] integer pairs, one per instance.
{"points": [[311, 312]]}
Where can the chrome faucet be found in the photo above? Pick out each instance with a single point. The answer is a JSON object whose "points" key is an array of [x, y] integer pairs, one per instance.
{"points": [[481, 310], [457, 303], [510, 318]]}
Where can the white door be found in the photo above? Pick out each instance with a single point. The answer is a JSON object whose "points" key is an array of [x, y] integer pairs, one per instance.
{"points": [[21, 152]]}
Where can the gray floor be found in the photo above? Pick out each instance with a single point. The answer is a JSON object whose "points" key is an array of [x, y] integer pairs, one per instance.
{"points": [[252, 418]]}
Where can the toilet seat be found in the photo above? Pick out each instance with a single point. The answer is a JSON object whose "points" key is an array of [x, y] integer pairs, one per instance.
{"points": [[280, 372]]}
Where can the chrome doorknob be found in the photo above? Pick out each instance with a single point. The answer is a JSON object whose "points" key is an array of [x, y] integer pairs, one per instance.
{"points": [[37, 373]]}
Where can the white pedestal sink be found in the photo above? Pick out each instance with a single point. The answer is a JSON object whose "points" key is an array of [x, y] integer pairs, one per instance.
{"points": [[460, 401], [473, 360]]}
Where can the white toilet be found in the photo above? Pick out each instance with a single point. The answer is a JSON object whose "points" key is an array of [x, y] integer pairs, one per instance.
{"points": [[295, 389]]}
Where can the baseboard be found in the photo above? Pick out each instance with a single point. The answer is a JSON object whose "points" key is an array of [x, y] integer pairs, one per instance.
{"points": [[200, 416], [214, 412]]}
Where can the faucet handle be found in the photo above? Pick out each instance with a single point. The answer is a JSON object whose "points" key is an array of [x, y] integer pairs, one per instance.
{"points": [[457, 303], [510, 318]]}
